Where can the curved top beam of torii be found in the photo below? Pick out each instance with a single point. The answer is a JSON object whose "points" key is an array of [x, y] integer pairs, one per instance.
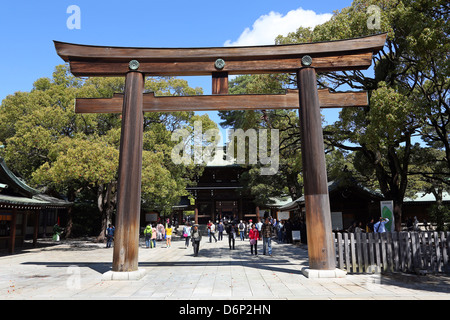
{"points": [[326, 56]]}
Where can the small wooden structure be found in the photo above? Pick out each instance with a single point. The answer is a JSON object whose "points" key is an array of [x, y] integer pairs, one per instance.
{"points": [[349, 202], [20, 207], [136, 63]]}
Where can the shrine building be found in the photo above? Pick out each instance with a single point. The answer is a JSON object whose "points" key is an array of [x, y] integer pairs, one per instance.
{"points": [[219, 195], [25, 213]]}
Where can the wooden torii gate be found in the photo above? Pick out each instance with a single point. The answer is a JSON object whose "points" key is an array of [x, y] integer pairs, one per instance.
{"points": [[303, 59]]}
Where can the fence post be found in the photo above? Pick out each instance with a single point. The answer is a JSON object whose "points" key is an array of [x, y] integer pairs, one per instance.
{"points": [[371, 247], [447, 266], [430, 249], [390, 262], [353, 251], [402, 247], [364, 249], [423, 250], [383, 250], [358, 252], [409, 252], [395, 240], [444, 250], [347, 252], [438, 251], [377, 250], [415, 250], [340, 255]]}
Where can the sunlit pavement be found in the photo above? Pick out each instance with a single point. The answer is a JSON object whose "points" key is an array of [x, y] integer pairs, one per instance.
{"points": [[74, 269]]}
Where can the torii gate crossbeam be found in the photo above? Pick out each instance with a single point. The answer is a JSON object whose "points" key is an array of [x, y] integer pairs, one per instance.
{"points": [[289, 100], [303, 59]]}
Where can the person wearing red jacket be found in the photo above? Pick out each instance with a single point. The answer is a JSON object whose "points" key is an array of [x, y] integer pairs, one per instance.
{"points": [[253, 235]]}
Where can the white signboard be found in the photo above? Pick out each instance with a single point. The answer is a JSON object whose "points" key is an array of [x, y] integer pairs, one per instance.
{"points": [[151, 217], [283, 215], [296, 235], [336, 221]]}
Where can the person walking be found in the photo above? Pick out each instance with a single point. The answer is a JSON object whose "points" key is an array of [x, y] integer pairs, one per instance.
{"points": [[160, 232], [187, 234], [212, 232], [258, 227], [416, 224], [208, 225], [253, 235], [109, 235], [267, 233], [231, 231], [241, 228], [220, 229], [169, 230], [380, 226], [288, 231], [148, 235], [196, 237], [369, 226], [279, 229], [359, 228], [153, 239], [409, 224]]}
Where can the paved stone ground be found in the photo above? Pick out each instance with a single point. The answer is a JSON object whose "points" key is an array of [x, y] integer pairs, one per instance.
{"points": [[73, 270]]}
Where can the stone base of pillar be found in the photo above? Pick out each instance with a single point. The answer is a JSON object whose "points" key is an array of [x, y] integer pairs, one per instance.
{"points": [[315, 273], [130, 276]]}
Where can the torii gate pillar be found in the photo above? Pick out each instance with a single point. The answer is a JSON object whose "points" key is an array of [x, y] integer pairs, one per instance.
{"points": [[126, 237], [321, 250]]}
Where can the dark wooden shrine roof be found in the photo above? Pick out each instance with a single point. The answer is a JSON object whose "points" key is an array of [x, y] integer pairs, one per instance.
{"points": [[335, 186], [14, 192]]}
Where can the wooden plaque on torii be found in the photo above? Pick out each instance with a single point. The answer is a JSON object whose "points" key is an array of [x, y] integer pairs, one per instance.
{"points": [[303, 59]]}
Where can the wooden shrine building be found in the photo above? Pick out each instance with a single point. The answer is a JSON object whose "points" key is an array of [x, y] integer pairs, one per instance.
{"points": [[24, 212], [349, 202], [218, 193]]}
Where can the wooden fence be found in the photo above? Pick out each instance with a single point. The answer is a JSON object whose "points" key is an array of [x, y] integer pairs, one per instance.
{"points": [[418, 252]]}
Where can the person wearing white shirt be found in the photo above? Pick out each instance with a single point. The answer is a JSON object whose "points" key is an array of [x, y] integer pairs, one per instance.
{"points": [[379, 227], [258, 227]]}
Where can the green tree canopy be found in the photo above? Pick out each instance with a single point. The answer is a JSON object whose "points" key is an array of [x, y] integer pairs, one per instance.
{"points": [[408, 92], [50, 146]]}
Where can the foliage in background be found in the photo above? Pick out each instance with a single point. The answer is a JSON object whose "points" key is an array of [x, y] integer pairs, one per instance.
{"points": [[76, 155]]}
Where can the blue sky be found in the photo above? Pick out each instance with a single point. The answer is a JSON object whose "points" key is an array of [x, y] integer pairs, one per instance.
{"points": [[28, 28]]}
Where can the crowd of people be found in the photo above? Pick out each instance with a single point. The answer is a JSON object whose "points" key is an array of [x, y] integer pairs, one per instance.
{"points": [[371, 226], [262, 232], [158, 232], [379, 226], [281, 230]]}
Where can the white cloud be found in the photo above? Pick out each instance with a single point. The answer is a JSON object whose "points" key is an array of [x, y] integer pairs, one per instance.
{"points": [[267, 27]]}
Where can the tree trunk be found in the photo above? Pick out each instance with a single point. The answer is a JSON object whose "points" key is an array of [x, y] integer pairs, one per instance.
{"points": [[295, 189], [398, 208], [69, 225], [105, 206]]}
